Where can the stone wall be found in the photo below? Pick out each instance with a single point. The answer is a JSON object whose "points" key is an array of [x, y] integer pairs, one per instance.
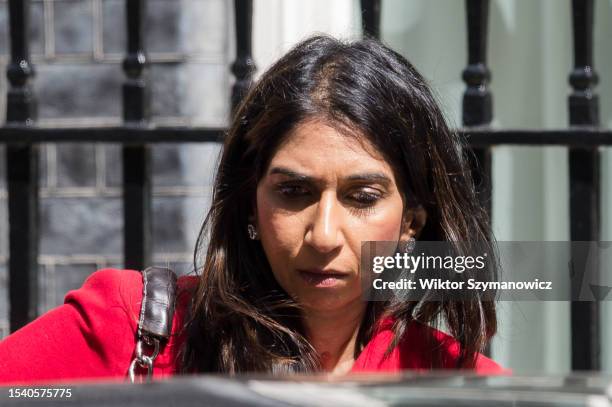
{"points": [[77, 47]]}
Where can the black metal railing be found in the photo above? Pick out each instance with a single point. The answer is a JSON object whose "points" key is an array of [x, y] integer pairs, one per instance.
{"points": [[585, 190], [22, 174], [22, 138], [137, 156]]}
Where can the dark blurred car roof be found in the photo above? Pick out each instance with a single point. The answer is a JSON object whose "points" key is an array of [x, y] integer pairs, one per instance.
{"points": [[434, 389]]}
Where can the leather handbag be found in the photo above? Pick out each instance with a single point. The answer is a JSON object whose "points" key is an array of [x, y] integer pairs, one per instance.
{"points": [[155, 321]]}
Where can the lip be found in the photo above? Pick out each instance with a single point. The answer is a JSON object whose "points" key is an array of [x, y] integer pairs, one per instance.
{"points": [[322, 278], [327, 272]]}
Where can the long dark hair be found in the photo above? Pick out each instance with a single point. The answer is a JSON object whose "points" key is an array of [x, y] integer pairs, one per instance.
{"points": [[242, 320]]}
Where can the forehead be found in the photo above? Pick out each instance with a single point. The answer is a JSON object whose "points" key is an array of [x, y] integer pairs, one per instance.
{"points": [[317, 145]]}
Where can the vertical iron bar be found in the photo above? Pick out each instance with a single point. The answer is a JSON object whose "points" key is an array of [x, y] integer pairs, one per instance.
{"points": [[370, 18], [244, 66], [22, 175], [584, 172], [136, 158], [477, 100]]}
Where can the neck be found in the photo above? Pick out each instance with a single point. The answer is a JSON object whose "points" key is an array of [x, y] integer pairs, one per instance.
{"points": [[333, 334]]}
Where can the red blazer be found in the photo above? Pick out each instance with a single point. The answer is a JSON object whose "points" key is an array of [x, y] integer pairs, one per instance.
{"points": [[92, 336]]}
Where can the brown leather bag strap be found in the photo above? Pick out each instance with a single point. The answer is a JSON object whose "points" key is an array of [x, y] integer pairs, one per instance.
{"points": [[156, 313], [158, 296]]}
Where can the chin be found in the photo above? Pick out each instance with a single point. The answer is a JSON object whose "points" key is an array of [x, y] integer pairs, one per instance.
{"points": [[326, 300]]}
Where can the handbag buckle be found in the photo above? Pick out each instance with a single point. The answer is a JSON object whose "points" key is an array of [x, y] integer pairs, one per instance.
{"points": [[143, 360]]}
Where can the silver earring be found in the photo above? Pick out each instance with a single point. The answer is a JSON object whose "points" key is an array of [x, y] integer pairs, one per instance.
{"points": [[409, 245], [252, 232]]}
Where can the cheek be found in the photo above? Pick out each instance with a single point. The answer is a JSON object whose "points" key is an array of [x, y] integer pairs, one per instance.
{"points": [[384, 224], [387, 231], [280, 231]]}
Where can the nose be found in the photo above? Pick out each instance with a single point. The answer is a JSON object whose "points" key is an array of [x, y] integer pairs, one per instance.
{"points": [[324, 232]]}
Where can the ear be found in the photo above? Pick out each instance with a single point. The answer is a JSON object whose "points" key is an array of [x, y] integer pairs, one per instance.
{"points": [[413, 222]]}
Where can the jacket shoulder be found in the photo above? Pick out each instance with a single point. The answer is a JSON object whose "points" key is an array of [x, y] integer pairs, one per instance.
{"points": [[92, 335], [428, 340], [116, 287], [420, 348]]}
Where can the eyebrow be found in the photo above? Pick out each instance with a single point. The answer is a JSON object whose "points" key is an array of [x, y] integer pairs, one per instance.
{"points": [[291, 174], [369, 177]]}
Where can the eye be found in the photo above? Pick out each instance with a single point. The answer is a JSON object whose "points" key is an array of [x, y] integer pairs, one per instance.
{"points": [[365, 197], [292, 191]]}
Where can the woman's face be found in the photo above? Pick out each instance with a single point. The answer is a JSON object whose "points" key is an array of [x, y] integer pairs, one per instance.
{"points": [[322, 195]]}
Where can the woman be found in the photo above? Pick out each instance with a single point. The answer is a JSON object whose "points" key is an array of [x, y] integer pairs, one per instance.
{"points": [[335, 145]]}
